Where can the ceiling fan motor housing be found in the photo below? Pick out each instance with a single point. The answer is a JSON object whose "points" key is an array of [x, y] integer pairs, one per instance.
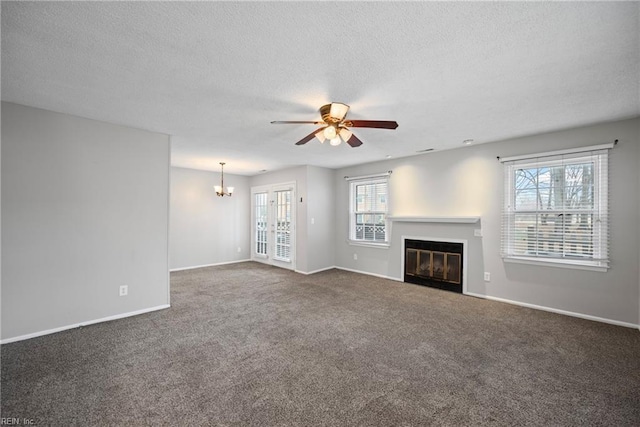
{"points": [[339, 112]]}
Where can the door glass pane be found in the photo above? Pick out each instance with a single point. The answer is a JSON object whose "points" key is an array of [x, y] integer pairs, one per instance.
{"points": [[283, 225], [412, 262], [260, 213]]}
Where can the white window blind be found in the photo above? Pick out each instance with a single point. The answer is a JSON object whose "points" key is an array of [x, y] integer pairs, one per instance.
{"points": [[556, 208], [369, 208]]}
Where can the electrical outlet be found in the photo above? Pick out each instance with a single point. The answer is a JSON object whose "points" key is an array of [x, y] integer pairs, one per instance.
{"points": [[313, 221], [124, 290], [477, 232], [239, 249], [355, 257], [487, 276]]}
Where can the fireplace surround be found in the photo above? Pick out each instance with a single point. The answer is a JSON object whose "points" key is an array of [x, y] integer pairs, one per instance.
{"points": [[437, 264]]}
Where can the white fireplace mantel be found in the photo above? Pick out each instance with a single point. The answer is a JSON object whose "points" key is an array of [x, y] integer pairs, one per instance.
{"points": [[436, 219]]}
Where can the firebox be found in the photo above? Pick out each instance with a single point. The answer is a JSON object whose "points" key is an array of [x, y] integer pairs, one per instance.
{"points": [[434, 264]]}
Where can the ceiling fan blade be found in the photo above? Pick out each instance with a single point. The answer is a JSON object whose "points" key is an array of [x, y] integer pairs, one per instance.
{"points": [[308, 137], [354, 141], [276, 122], [378, 124]]}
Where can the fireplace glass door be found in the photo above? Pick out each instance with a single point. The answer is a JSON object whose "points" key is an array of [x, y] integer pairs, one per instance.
{"points": [[440, 266]]}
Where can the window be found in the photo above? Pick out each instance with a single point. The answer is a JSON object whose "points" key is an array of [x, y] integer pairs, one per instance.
{"points": [[555, 209], [368, 216]]}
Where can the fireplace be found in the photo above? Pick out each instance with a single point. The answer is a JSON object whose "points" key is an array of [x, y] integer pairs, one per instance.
{"points": [[434, 264]]}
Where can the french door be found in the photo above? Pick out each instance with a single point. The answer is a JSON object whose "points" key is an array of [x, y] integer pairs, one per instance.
{"points": [[273, 225]]}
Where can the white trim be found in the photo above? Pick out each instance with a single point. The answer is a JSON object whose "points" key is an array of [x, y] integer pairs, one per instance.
{"points": [[288, 264], [369, 274], [270, 257], [368, 244], [512, 246], [208, 265], [315, 271], [376, 175], [555, 262], [371, 180], [465, 249], [557, 311], [558, 152], [445, 219], [87, 323], [263, 190]]}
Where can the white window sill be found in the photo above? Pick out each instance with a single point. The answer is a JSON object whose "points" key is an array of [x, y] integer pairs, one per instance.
{"points": [[368, 244], [573, 264]]}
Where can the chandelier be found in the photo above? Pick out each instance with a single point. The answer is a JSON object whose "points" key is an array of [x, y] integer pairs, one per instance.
{"points": [[220, 190]]}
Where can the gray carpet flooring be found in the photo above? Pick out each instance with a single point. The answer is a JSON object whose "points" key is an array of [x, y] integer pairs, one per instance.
{"points": [[248, 344]]}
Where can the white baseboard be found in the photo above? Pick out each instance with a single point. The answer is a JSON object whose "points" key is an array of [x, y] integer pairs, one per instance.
{"points": [[522, 304], [397, 279], [87, 323], [557, 311], [315, 271], [208, 265]]}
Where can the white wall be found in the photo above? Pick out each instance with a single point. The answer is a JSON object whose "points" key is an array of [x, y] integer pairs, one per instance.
{"points": [[84, 211], [469, 182], [206, 229]]}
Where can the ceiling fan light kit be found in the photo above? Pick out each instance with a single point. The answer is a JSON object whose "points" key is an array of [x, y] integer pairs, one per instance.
{"points": [[335, 141], [320, 135], [335, 127], [330, 132], [345, 134]]}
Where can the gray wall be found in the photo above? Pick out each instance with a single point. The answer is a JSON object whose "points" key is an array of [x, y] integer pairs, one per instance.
{"points": [[84, 210], [315, 214], [469, 182], [0, 229], [206, 229], [320, 218]]}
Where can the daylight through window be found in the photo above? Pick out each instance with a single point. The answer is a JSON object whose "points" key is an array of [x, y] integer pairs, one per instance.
{"points": [[556, 209], [368, 216]]}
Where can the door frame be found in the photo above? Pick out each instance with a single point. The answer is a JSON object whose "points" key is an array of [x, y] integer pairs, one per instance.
{"points": [[270, 189]]}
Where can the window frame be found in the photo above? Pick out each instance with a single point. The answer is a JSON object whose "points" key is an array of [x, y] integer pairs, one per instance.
{"points": [[353, 184], [599, 260]]}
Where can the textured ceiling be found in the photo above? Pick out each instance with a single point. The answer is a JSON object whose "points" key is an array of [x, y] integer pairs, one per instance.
{"points": [[213, 75]]}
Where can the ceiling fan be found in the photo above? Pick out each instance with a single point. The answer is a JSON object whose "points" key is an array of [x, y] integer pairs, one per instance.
{"points": [[335, 126]]}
